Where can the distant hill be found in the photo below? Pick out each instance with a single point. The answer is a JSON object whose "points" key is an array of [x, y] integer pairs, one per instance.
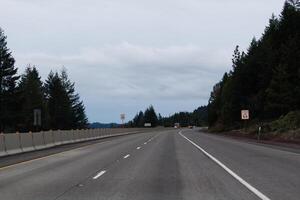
{"points": [[103, 125]]}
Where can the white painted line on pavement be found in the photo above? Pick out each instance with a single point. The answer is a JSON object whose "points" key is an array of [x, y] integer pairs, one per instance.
{"points": [[145, 143], [237, 177], [99, 174], [138, 147], [126, 156]]}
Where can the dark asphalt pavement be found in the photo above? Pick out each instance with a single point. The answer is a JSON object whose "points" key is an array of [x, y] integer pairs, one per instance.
{"points": [[156, 165]]}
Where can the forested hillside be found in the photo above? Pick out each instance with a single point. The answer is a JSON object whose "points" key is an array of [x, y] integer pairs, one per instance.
{"points": [[57, 102], [265, 79]]}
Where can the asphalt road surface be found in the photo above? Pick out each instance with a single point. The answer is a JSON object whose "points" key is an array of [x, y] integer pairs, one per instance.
{"points": [[166, 165]]}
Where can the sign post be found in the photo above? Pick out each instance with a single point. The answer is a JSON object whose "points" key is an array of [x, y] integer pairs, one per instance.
{"points": [[245, 116], [37, 118], [122, 116]]}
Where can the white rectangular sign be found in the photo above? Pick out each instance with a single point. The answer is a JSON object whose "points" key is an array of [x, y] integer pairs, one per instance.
{"points": [[245, 114], [147, 124], [122, 116]]}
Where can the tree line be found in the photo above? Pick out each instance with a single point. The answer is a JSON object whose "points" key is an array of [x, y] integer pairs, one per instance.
{"points": [[196, 118], [56, 99], [265, 79], [148, 116]]}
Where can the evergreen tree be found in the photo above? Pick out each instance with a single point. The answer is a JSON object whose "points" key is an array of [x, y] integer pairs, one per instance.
{"points": [[138, 120], [294, 3], [31, 96], [150, 116], [160, 120], [58, 102], [79, 119], [8, 79]]}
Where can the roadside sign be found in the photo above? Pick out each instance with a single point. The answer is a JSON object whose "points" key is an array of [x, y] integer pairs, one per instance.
{"points": [[37, 117], [147, 124], [245, 114], [122, 116]]}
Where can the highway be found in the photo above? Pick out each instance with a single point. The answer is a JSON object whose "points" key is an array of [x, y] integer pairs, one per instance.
{"points": [[166, 164]]}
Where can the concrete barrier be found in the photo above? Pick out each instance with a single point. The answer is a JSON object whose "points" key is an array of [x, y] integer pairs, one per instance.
{"points": [[12, 143], [2, 146], [91, 134], [71, 134], [26, 141], [76, 135], [83, 135], [57, 137], [95, 133], [48, 138], [87, 135], [17, 143], [64, 137], [38, 140]]}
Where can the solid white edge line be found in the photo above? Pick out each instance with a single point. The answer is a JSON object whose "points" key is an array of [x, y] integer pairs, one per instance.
{"points": [[126, 156], [99, 174], [237, 177], [138, 147]]}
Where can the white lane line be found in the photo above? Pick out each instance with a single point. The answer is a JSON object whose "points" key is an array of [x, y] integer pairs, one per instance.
{"points": [[99, 174], [126, 156], [145, 143], [234, 175], [138, 148]]}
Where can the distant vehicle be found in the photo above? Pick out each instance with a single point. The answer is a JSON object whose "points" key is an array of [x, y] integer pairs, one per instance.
{"points": [[190, 127], [176, 125]]}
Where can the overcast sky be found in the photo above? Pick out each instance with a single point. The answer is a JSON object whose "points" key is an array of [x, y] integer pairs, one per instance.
{"points": [[127, 54]]}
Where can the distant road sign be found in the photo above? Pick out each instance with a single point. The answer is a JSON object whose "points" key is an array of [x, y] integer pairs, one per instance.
{"points": [[245, 114], [122, 116], [37, 117], [147, 124]]}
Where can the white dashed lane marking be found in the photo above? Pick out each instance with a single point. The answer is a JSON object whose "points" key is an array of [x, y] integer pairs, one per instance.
{"points": [[99, 174]]}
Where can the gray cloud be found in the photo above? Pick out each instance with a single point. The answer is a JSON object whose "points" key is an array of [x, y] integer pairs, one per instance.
{"points": [[125, 55]]}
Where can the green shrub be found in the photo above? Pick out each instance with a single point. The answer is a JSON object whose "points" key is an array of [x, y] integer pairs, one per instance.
{"points": [[291, 121]]}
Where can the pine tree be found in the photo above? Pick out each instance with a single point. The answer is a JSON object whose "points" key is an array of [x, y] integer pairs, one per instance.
{"points": [[79, 119], [138, 120], [294, 3], [58, 103], [280, 93], [8, 79], [150, 116], [31, 96]]}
